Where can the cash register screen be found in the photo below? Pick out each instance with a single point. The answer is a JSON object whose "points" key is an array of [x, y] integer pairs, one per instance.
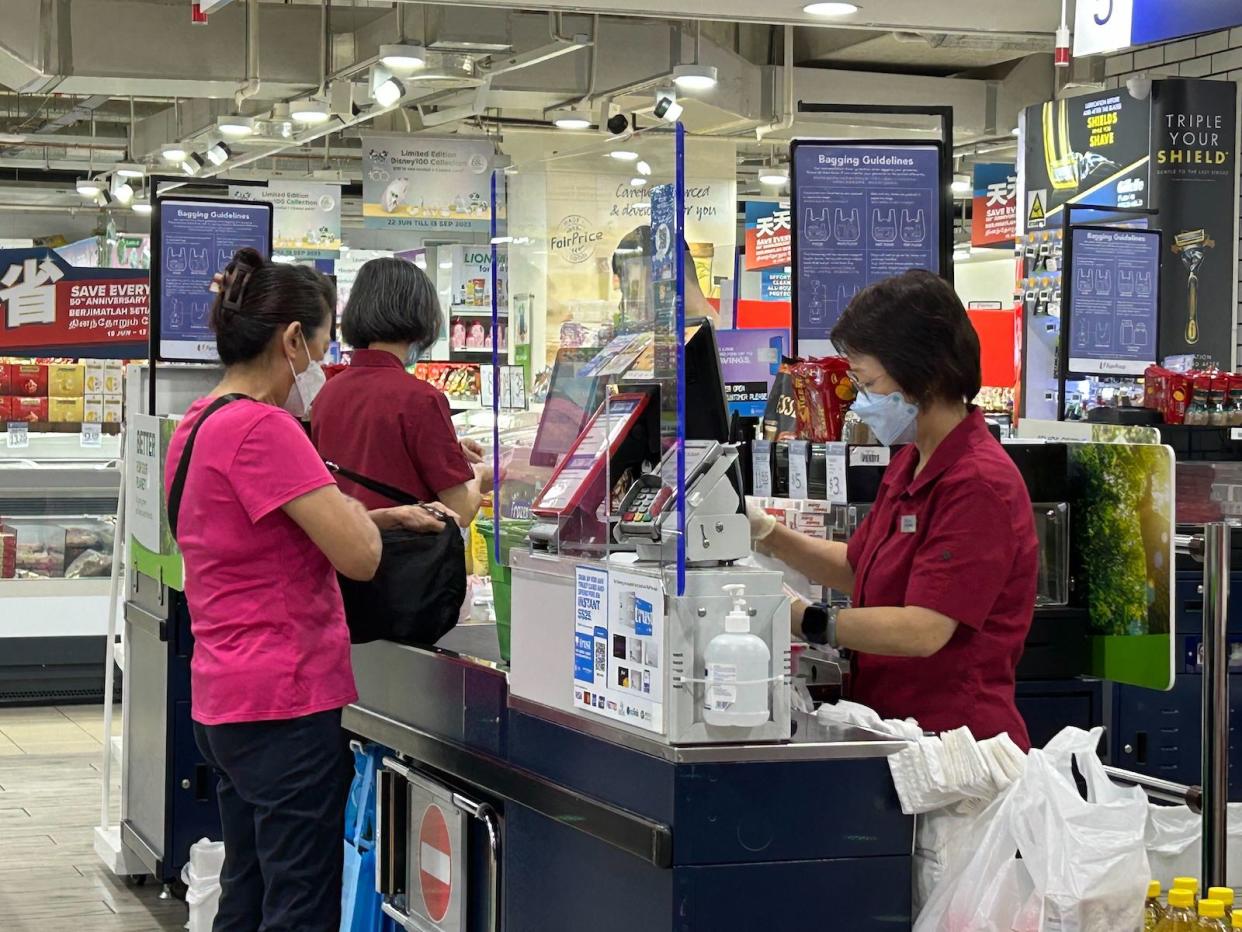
{"points": [[572, 398], [707, 410]]}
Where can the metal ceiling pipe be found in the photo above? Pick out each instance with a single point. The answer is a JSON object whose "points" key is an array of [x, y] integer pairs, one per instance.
{"points": [[787, 121], [251, 86]]}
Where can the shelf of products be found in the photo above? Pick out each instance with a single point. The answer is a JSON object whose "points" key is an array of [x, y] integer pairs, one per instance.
{"points": [[53, 397]]}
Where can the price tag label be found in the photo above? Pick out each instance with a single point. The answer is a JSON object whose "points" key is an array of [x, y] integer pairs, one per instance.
{"points": [[488, 384], [92, 436], [18, 435], [837, 454], [869, 456], [761, 468], [798, 485], [1235, 433]]}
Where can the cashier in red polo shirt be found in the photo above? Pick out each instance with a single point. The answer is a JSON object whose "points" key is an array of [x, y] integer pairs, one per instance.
{"points": [[376, 419], [943, 568]]}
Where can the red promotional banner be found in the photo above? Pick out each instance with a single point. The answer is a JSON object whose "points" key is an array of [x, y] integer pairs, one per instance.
{"points": [[768, 236], [51, 308], [995, 211]]}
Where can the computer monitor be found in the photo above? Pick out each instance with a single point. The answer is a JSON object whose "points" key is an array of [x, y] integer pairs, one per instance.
{"points": [[572, 399], [707, 408]]}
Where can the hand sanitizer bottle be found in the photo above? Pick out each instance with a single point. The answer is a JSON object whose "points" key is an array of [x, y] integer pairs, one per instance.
{"points": [[738, 668]]}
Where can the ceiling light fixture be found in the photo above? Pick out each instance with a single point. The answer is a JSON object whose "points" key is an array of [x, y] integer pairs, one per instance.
{"points": [[219, 154], [122, 192], [388, 93], [402, 58], [695, 77], [774, 175], [130, 170], [141, 206], [623, 155], [830, 9], [571, 119], [88, 187], [193, 164], [173, 154], [961, 185], [310, 111], [235, 126], [637, 182]]}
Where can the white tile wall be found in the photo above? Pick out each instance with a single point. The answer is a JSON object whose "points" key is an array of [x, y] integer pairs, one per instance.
{"points": [[1216, 55]]}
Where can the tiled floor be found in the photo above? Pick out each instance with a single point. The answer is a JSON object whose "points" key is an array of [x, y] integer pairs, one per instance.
{"points": [[50, 877]]}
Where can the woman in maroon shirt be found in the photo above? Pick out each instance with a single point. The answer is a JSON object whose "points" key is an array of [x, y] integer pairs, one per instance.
{"points": [[943, 569], [378, 420]]}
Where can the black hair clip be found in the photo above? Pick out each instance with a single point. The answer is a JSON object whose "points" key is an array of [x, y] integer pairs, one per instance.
{"points": [[235, 285]]}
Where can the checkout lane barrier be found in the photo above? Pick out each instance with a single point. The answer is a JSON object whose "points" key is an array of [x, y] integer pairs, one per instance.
{"points": [[361, 903]]}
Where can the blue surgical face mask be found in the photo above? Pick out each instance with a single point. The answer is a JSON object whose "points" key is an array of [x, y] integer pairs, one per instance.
{"points": [[411, 357], [890, 417]]}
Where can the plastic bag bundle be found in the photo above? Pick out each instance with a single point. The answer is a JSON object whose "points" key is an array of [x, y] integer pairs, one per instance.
{"points": [[201, 876], [1041, 857]]}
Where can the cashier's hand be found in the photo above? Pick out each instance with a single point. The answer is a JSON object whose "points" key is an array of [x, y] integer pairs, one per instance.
{"points": [[762, 524], [473, 451], [412, 518]]}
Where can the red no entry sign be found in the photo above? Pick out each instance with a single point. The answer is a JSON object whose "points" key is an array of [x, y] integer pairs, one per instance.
{"points": [[435, 863]]}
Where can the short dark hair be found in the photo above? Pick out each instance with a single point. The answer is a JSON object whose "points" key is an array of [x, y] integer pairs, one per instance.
{"points": [[258, 297], [915, 325], [391, 301]]}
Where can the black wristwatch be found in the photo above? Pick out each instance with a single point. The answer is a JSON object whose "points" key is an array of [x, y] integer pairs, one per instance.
{"points": [[819, 624]]}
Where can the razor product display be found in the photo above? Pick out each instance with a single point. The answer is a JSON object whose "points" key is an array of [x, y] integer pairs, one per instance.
{"points": [[1192, 247]]}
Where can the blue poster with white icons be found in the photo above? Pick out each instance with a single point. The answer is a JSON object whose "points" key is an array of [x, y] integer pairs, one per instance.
{"points": [[862, 213], [1114, 285]]}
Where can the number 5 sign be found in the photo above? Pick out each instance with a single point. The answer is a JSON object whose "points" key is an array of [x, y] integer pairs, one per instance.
{"points": [[1102, 26]]}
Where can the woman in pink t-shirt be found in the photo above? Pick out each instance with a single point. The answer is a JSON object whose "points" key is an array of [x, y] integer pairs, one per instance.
{"points": [[264, 530]]}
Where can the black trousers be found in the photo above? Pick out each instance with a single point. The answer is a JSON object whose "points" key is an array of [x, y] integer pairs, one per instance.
{"points": [[282, 790]]}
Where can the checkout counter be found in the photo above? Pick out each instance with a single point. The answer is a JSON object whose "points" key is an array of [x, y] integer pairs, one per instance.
{"points": [[582, 786]]}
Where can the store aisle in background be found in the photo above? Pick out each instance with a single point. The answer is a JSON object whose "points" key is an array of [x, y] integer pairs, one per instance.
{"points": [[49, 805]]}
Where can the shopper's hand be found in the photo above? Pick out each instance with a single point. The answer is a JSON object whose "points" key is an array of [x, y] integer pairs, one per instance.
{"points": [[762, 524], [483, 472], [217, 283], [473, 451], [412, 518]]}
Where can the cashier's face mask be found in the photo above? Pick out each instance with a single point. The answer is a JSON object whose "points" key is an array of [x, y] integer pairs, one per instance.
{"points": [[890, 417], [306, 384]]}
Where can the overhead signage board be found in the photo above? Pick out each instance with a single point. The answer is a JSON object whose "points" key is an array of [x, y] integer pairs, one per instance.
{"points": [[862, 212], [1114, 298], [49, 307], [427, 185], [994, 219], [307, 218], [195, 239], [1102, 26]]}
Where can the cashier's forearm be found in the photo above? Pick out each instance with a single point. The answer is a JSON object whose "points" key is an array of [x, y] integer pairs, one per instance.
{"points": [[821, 561], [906, 631]]}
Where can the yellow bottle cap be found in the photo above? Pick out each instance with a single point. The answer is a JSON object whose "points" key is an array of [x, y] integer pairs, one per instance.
{"points": [[1224, 894], [1186, 883], [1153, 889], [1237, 919], [1181, 899], [1211, 909]]}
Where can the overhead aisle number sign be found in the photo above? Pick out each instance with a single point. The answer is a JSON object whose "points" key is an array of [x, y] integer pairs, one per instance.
{"points": [[1102, 26]]}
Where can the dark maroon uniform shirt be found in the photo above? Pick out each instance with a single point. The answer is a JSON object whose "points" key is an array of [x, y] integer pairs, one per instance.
{"points": [[378, 420], [958, 539]]}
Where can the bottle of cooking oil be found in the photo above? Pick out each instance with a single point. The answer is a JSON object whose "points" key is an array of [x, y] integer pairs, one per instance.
{"points": [[1237, 919], [1153, 909], [1211, 916], [1186, 883], [1225, 895], [1179, 917]]}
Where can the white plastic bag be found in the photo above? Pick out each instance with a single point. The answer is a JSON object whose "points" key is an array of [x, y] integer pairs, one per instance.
{"points": [[201, 876], [1082, 865], [1174, 843]]}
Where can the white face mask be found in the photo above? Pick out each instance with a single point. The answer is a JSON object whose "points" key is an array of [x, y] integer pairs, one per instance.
{"points": [[306, 385]]}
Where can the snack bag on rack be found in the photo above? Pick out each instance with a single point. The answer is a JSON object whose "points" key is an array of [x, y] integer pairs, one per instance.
{"points": [[808, 377], [780, 419], [838, 394]]}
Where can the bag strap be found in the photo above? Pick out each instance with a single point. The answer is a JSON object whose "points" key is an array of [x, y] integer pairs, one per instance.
{"points": [[177, 489], [392, 493]]}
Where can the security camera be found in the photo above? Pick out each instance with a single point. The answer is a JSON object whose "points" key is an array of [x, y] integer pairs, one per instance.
{"points": [[618, 124], [1139, 88], [667, 108]]}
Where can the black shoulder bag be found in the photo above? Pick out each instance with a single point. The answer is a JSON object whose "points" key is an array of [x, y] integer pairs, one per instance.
{"points": [[177, 489], [417, 593]]}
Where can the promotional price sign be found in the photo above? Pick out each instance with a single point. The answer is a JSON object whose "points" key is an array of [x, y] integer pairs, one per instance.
{"points": [[994, 218], [862, 212], [768, 235], [51, 308]]}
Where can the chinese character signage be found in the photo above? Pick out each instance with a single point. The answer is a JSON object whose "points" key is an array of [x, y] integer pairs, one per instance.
{"points": [[427, 185], [767, 235], [995, 213], [51, 308]]}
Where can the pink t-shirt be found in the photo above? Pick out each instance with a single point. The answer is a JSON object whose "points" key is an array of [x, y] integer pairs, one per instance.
{"points": [[270, 639]]}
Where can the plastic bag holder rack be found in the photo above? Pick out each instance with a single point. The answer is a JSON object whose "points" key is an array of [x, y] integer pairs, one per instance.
{"points": [[1212, 549]]}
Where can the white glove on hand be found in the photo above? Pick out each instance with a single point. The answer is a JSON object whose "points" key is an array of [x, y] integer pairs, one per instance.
{"points": [[762, 524]]}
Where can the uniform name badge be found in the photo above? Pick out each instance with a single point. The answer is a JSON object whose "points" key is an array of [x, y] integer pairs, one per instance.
{"points": [[909, 524]]}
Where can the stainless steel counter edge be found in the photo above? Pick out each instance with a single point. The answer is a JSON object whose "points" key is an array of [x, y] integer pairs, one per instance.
{"points": [[838, 744]]}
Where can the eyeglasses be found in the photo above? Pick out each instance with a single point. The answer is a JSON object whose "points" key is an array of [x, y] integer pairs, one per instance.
{"points": [[860, 387]]}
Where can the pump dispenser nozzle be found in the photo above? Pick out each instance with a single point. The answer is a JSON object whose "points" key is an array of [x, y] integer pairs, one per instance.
{"points": [[738, 620]]}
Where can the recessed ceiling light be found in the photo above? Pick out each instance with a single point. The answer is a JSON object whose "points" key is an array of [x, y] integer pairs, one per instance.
{"points": [[235, 126], [644, 168], [141, 206], [773, 175], [830, 9], [623, 155], [130, 170], [570, 119], [88, 187], [961, 184], [193, 164], [389, 92], [173, 154], [219, 154], [309, 111], [695, 77], [402, 58]]}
